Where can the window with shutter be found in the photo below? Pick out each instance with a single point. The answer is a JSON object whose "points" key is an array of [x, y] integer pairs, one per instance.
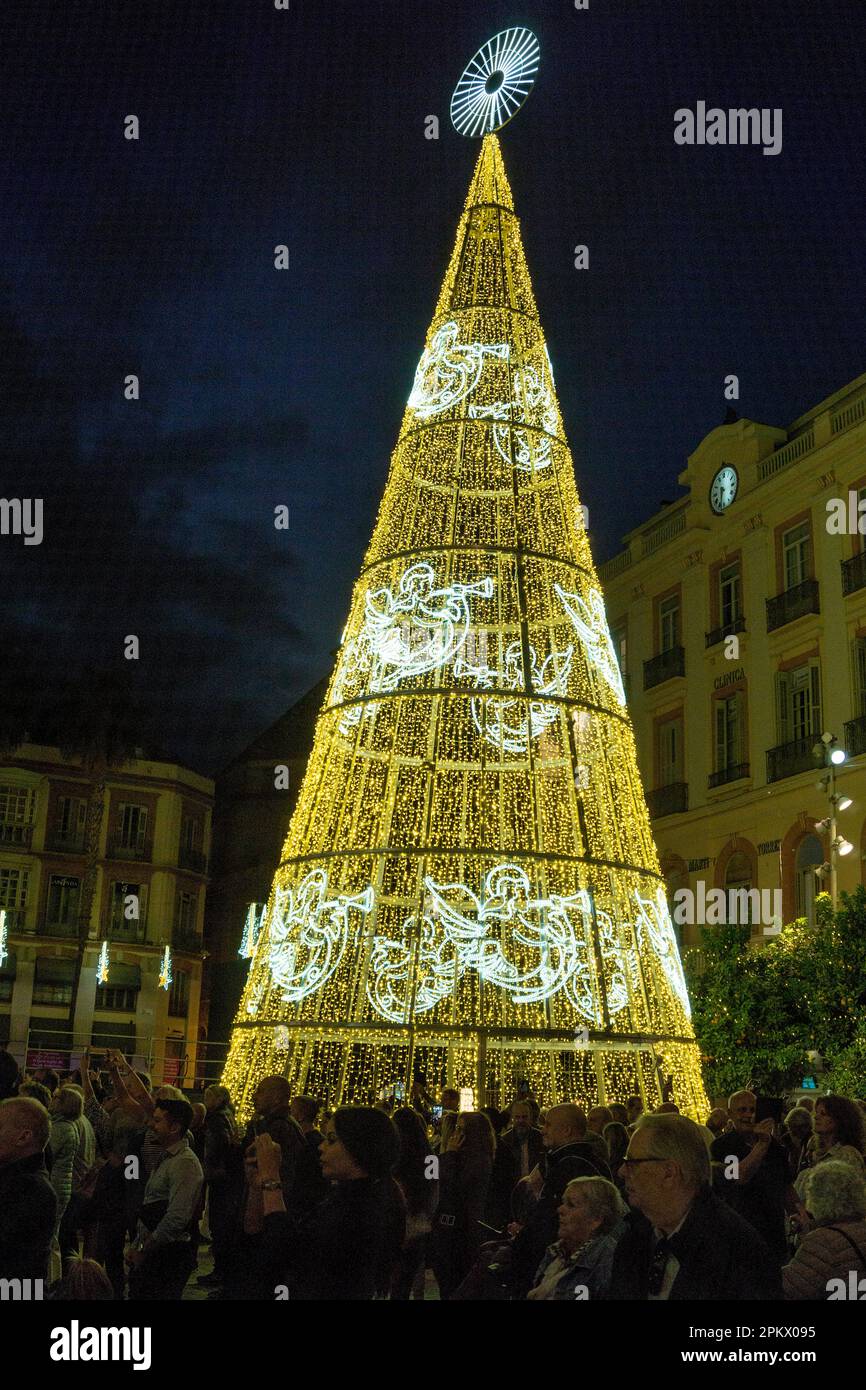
{"points": [[858, 667], [783, 696]]}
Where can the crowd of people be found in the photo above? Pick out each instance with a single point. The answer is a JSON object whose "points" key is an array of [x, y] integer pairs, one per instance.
{"points": [[108, 1187]]}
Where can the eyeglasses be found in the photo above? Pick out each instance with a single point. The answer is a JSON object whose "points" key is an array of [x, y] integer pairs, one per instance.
{"points": [[633, 1162]]}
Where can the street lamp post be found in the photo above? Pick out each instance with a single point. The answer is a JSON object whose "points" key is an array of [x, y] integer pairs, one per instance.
{"points": [[832, 755]]}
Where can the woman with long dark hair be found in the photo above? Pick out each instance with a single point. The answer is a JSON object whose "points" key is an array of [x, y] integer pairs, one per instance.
{"points": [[416, 1176], [465, 1167]]}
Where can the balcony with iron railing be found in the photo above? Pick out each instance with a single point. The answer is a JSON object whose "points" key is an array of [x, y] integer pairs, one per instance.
{"points": [[792, 604], [136, 851], [671, 800], [664, 667], [735, 773], [192, 859], [855, 736], [66, 929], [854, 574], [13, 833], [728, 629], [65, 841], [788, 759], [133, 932]]}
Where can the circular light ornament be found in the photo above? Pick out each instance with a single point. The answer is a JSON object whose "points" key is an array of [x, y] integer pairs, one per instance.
{"points": [[495, 83]]}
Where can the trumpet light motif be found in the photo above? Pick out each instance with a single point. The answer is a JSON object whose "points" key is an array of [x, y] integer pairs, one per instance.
{"points": [[449, 371], [504, 723], [308, 933], [102, 965], [487, 933]]}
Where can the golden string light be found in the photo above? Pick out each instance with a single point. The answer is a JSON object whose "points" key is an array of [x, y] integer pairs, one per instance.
{"points": [[469, 886]]}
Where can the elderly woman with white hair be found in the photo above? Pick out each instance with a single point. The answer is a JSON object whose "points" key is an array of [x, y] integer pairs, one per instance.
{"points": [[836, 1245], [578, 1265]]}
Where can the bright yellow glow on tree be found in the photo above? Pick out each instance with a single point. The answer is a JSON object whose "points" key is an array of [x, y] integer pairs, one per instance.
{"points": [[469, 887]]}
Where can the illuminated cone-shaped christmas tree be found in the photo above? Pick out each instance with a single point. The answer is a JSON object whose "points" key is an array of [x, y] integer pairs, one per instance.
{"points": [[469, 888]]}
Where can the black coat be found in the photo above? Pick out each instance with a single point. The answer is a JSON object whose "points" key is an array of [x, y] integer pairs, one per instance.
{"points": [[561, 1166], [721, 1256], [346, 1249], [506, 1172], [28, 1210]]}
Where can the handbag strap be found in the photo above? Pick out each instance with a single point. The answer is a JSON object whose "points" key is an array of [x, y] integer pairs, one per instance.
{"points": [[851, 1241]]}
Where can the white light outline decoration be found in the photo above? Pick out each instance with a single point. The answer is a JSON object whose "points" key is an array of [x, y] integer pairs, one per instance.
{"points": [[533, 452], [387, 650], [590, 623], [449, 370], [655, 925], [252, 930], [102, 964], [308, 933], [452, 941], [491, 715], [513, 53], [166, 976], [4, 938]]}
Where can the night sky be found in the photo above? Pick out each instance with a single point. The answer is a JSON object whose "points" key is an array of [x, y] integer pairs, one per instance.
{"points": [[260, 387]]}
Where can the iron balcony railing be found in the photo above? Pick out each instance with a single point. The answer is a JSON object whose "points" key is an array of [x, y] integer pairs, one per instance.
{"points": [[668, 801], [787, 759], [664, 667], [728, 774], [120, 849], [792, 604], [854, 574], [192, 859], [12, 833], [728, 629], [65, 841]]}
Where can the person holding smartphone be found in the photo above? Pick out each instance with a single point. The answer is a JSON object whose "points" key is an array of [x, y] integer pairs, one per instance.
{"points": [[755, 1171]]}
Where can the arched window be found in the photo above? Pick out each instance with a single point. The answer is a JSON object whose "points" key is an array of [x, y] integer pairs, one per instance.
{"points": [[738, 874], [810, 853]]}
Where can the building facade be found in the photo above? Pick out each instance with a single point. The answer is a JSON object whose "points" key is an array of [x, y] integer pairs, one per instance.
{"points": [[149, 885], [738, 613]]}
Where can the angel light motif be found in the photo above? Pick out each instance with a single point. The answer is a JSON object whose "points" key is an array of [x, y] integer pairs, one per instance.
{"points": [[533, 406], [417, 629], [503, 722], [437, 966], [654, 924], [590, 624], [308, 934], [463, 932], [449, 370]]}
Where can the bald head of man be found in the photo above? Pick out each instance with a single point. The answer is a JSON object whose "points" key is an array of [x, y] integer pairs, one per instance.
{"points": [[24, 1128], [563, 1124]]}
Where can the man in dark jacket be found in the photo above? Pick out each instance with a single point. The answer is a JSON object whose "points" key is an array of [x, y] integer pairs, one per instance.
{"points": [[517, 1152], [566, 1156], [28, 1205], [301, 1177], [683, 1241]]}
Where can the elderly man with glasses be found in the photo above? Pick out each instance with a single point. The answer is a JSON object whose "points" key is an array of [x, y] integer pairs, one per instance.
{"points": [[683, 1241]]}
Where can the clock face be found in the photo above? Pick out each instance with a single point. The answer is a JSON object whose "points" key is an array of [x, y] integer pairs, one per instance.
{"points": [[723, 489]]}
